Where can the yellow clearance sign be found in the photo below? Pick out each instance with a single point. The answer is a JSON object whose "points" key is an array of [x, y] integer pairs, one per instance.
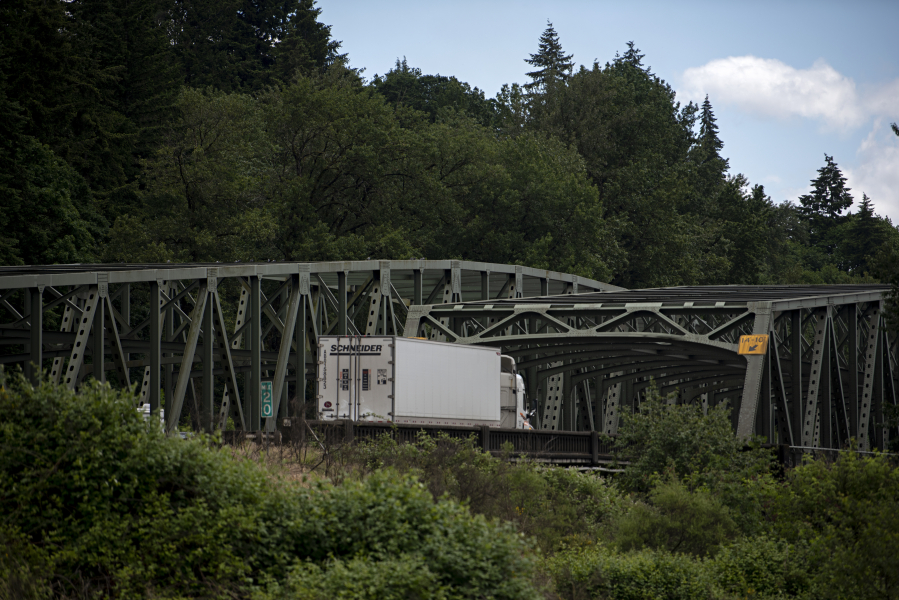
{"points": [[753, 344]]}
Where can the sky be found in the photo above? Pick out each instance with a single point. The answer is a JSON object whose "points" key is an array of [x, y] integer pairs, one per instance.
{"points": [[789, 81]]}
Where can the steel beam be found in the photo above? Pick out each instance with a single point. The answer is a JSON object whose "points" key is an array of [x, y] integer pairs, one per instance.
{"points": [[34, 366], [868, 385], [85, 323], [207, 404], [811, 415], [284, 352], [173, 412]]}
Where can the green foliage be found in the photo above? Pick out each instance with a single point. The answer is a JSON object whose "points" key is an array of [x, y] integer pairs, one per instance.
{"points": [[885, 264], [680, 438], [198, 185], [636, 145], [433, 95], [865, 235], [553, 66], [825, 204], [547, 504], [245, 45], [48, 211], [601, 572], [846, 512], [99, 502], [360, 578], [678, 520], [758, 567], [763, 567], [23, 567], [667, 443], [325, 169]]}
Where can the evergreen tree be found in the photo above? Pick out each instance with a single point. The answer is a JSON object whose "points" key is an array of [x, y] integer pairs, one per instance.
{"points": [[711, 167], [553, 66], [711, 161], [303, 44], [632, 57], [246, 45], [867, 233], [127, 59], [636, 140], [41, 68], [824, 206], [48, 212]]}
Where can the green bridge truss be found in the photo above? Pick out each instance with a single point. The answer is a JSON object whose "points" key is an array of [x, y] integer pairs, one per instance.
{"points": [[199, 339], [830, 369]]}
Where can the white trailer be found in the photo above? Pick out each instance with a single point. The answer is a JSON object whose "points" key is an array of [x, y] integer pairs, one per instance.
{"points": [[410, 380]]}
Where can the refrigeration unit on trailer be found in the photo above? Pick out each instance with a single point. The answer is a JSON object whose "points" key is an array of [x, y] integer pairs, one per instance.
{"points": [[415, 381]]}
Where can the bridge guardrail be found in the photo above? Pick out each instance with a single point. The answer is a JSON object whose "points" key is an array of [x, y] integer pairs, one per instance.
{"points": [[566, 447]]}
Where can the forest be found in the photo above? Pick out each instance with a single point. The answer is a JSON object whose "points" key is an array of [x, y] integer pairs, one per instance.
{"points": [[235, 130]]}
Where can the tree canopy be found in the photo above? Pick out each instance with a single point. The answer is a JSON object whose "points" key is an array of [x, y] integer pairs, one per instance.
{"points": [[187, 130]]}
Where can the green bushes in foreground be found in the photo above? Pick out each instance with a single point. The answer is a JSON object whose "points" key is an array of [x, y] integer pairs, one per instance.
{"points": [[96, 502], [751, 568], [546, 504]]}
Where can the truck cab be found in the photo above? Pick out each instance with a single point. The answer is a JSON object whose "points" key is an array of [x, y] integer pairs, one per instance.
{"points": [[512, 398]]}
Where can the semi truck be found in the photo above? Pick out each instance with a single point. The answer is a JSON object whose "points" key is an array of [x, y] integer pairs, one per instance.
{"points": [[417, 381]]}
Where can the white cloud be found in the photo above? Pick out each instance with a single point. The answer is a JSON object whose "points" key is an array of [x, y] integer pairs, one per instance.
{"points": [[876, 171], [773, 88]]}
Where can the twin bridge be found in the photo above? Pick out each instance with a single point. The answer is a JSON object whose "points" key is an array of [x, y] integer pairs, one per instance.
{"points": [[209, 343]]}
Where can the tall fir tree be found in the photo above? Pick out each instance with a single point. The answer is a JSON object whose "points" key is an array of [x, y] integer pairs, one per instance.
{"points": [[867, 233], [632, 57], [303, 44], [553, 66], [711, 167], [711, 145], [246, 45], [824, 206]]}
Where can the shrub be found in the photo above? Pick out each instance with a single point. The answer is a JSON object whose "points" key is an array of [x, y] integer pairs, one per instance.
{"points": [[603, 573], [762, 567], [98, 502], [666, 440], [677, 521], [548, 504], [664, 437], [405, 578], [848, 513]]}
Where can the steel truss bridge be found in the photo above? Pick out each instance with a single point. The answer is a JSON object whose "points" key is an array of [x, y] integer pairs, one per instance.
{"points": [[198, 339], [830, 368]]}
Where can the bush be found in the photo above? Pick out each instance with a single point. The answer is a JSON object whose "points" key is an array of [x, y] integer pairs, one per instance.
{"points": [[406, 578], [548, 504], [677, 521], [665, 440], [762, 567], [848, 514], [646, 575], [680, 438], [98, 502], [749, 568]]}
